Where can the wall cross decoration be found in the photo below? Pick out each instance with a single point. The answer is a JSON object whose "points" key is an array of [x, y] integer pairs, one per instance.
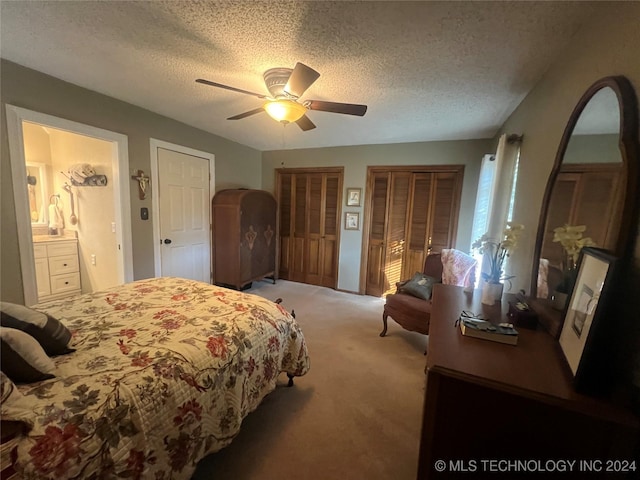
{"points": [[143, 183]]}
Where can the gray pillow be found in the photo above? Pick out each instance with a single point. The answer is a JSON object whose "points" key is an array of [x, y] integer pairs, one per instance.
{"points": [[419, 286], [52, 335], [22, 358]]}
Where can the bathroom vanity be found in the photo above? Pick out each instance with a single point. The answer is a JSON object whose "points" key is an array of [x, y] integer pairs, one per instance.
{"points": [[57, 266]]}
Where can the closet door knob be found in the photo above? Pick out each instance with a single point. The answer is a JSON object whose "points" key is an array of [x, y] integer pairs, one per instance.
{"points": [[167, 241]]}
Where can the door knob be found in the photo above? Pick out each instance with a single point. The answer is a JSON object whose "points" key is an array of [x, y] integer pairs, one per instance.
{"points": [[167, 241]]}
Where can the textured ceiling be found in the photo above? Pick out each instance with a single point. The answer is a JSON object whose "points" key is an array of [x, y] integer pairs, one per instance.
{"points": [[427, 70]]}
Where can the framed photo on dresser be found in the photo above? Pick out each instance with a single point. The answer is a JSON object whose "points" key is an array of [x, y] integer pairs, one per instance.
{"points": [[586, 323]]}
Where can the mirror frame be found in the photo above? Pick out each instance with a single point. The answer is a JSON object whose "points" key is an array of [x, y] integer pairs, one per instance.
{"points": [[628, 144]]}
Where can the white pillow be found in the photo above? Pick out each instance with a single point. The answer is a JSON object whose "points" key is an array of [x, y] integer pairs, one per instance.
{"points": [[22, 358]]}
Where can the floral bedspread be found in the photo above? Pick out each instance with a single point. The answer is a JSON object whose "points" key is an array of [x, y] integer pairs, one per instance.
{"points": [[164, 372]]}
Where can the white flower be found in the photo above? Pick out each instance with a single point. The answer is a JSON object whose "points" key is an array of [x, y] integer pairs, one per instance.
{"points": [[570, 237], [497, 251]]}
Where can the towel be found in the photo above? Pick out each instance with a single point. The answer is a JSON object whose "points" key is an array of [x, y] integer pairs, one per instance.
{"points": [[56, 218]]}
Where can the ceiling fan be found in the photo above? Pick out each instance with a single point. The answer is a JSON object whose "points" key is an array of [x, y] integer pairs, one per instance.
{"points": [[286, 86]]}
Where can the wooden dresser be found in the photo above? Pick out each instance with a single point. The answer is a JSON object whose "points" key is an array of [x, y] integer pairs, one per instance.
{"points": [[490, 401], [244, 237]]}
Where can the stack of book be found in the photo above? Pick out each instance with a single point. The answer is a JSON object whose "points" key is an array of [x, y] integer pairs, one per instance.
{"points": [[480, 328]]}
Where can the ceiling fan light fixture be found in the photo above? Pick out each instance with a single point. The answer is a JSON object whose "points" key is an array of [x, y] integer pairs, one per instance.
{"points": [[285, 111]]}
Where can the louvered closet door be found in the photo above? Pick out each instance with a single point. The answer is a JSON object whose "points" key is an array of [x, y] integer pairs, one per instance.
{"points": [[444, 211], [595, 206], [285, 206], [309, 203], [419, 214], [321, 260], [412, 213], [375, 284], [300, 212], [583, 198], [562, 199], [396, 229]]}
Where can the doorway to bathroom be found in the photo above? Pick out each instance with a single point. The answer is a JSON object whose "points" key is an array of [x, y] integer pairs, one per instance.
{"points": [[72, 211]]}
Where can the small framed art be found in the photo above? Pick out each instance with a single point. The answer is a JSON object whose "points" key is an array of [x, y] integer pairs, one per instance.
{"points": [[352, 221], [353, 197], [585, 323]]}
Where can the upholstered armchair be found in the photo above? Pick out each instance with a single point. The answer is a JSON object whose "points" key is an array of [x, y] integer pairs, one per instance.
{"points": [[413, 312]]}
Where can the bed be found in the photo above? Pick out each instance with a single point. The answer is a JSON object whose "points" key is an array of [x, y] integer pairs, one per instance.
{"points": [[163, 373]]}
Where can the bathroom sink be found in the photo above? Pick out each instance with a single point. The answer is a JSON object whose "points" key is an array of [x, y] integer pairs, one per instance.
{"points": [[50, 238]]}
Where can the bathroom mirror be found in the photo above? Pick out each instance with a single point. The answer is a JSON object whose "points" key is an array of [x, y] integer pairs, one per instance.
{"points": [[594, 179], [38, 191]]}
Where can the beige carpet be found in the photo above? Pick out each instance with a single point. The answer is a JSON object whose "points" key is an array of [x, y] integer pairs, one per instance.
{"points": [[356, 415]]}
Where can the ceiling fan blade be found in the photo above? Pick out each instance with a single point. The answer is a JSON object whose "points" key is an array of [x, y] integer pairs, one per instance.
{"points": [[227, 87], [333, 107], [240, 116], [301, 78], [305, 124]]}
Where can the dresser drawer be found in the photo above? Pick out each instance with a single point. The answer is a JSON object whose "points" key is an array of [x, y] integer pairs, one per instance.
{"points": [[40, 251], [65, 283], [62, 248], [63, 264]]}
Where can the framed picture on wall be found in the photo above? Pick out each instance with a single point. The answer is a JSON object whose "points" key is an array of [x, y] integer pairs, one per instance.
{"points": [[585, 324], [353, 197], [352, 221]]}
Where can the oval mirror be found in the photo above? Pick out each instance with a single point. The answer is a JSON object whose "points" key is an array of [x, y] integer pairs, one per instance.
{"points": [[593, 182]]}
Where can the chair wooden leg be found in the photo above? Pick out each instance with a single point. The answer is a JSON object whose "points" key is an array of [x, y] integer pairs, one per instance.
{"points": [[384, 322]]}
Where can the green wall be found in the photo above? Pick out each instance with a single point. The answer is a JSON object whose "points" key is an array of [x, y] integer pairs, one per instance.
{"points": [[608, 45], [236, 165], [355, 160]]}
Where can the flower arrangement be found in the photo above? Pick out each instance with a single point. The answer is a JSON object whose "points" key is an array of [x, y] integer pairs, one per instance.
{"points": [[572, 241], [497, 252]]}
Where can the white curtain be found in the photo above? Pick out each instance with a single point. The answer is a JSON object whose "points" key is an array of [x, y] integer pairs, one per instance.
{"points": [[495, 188], [506, 156]]}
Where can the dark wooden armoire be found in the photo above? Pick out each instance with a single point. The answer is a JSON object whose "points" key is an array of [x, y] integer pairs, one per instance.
{"points": [[244, 237]]}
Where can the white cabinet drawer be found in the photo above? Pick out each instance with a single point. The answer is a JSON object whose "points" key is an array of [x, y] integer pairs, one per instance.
{"points": [[65, 283], [64, 264], [40, 251], [62, 248]]}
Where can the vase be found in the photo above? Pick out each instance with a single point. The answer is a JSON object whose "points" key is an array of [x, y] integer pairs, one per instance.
{"points": [[491, 293]]}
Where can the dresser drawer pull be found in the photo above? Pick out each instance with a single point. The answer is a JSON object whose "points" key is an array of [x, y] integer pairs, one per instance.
{"points": [[66, 283]]}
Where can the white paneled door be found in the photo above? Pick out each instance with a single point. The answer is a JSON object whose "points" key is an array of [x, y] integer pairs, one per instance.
{"points": [[183, 191]]}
